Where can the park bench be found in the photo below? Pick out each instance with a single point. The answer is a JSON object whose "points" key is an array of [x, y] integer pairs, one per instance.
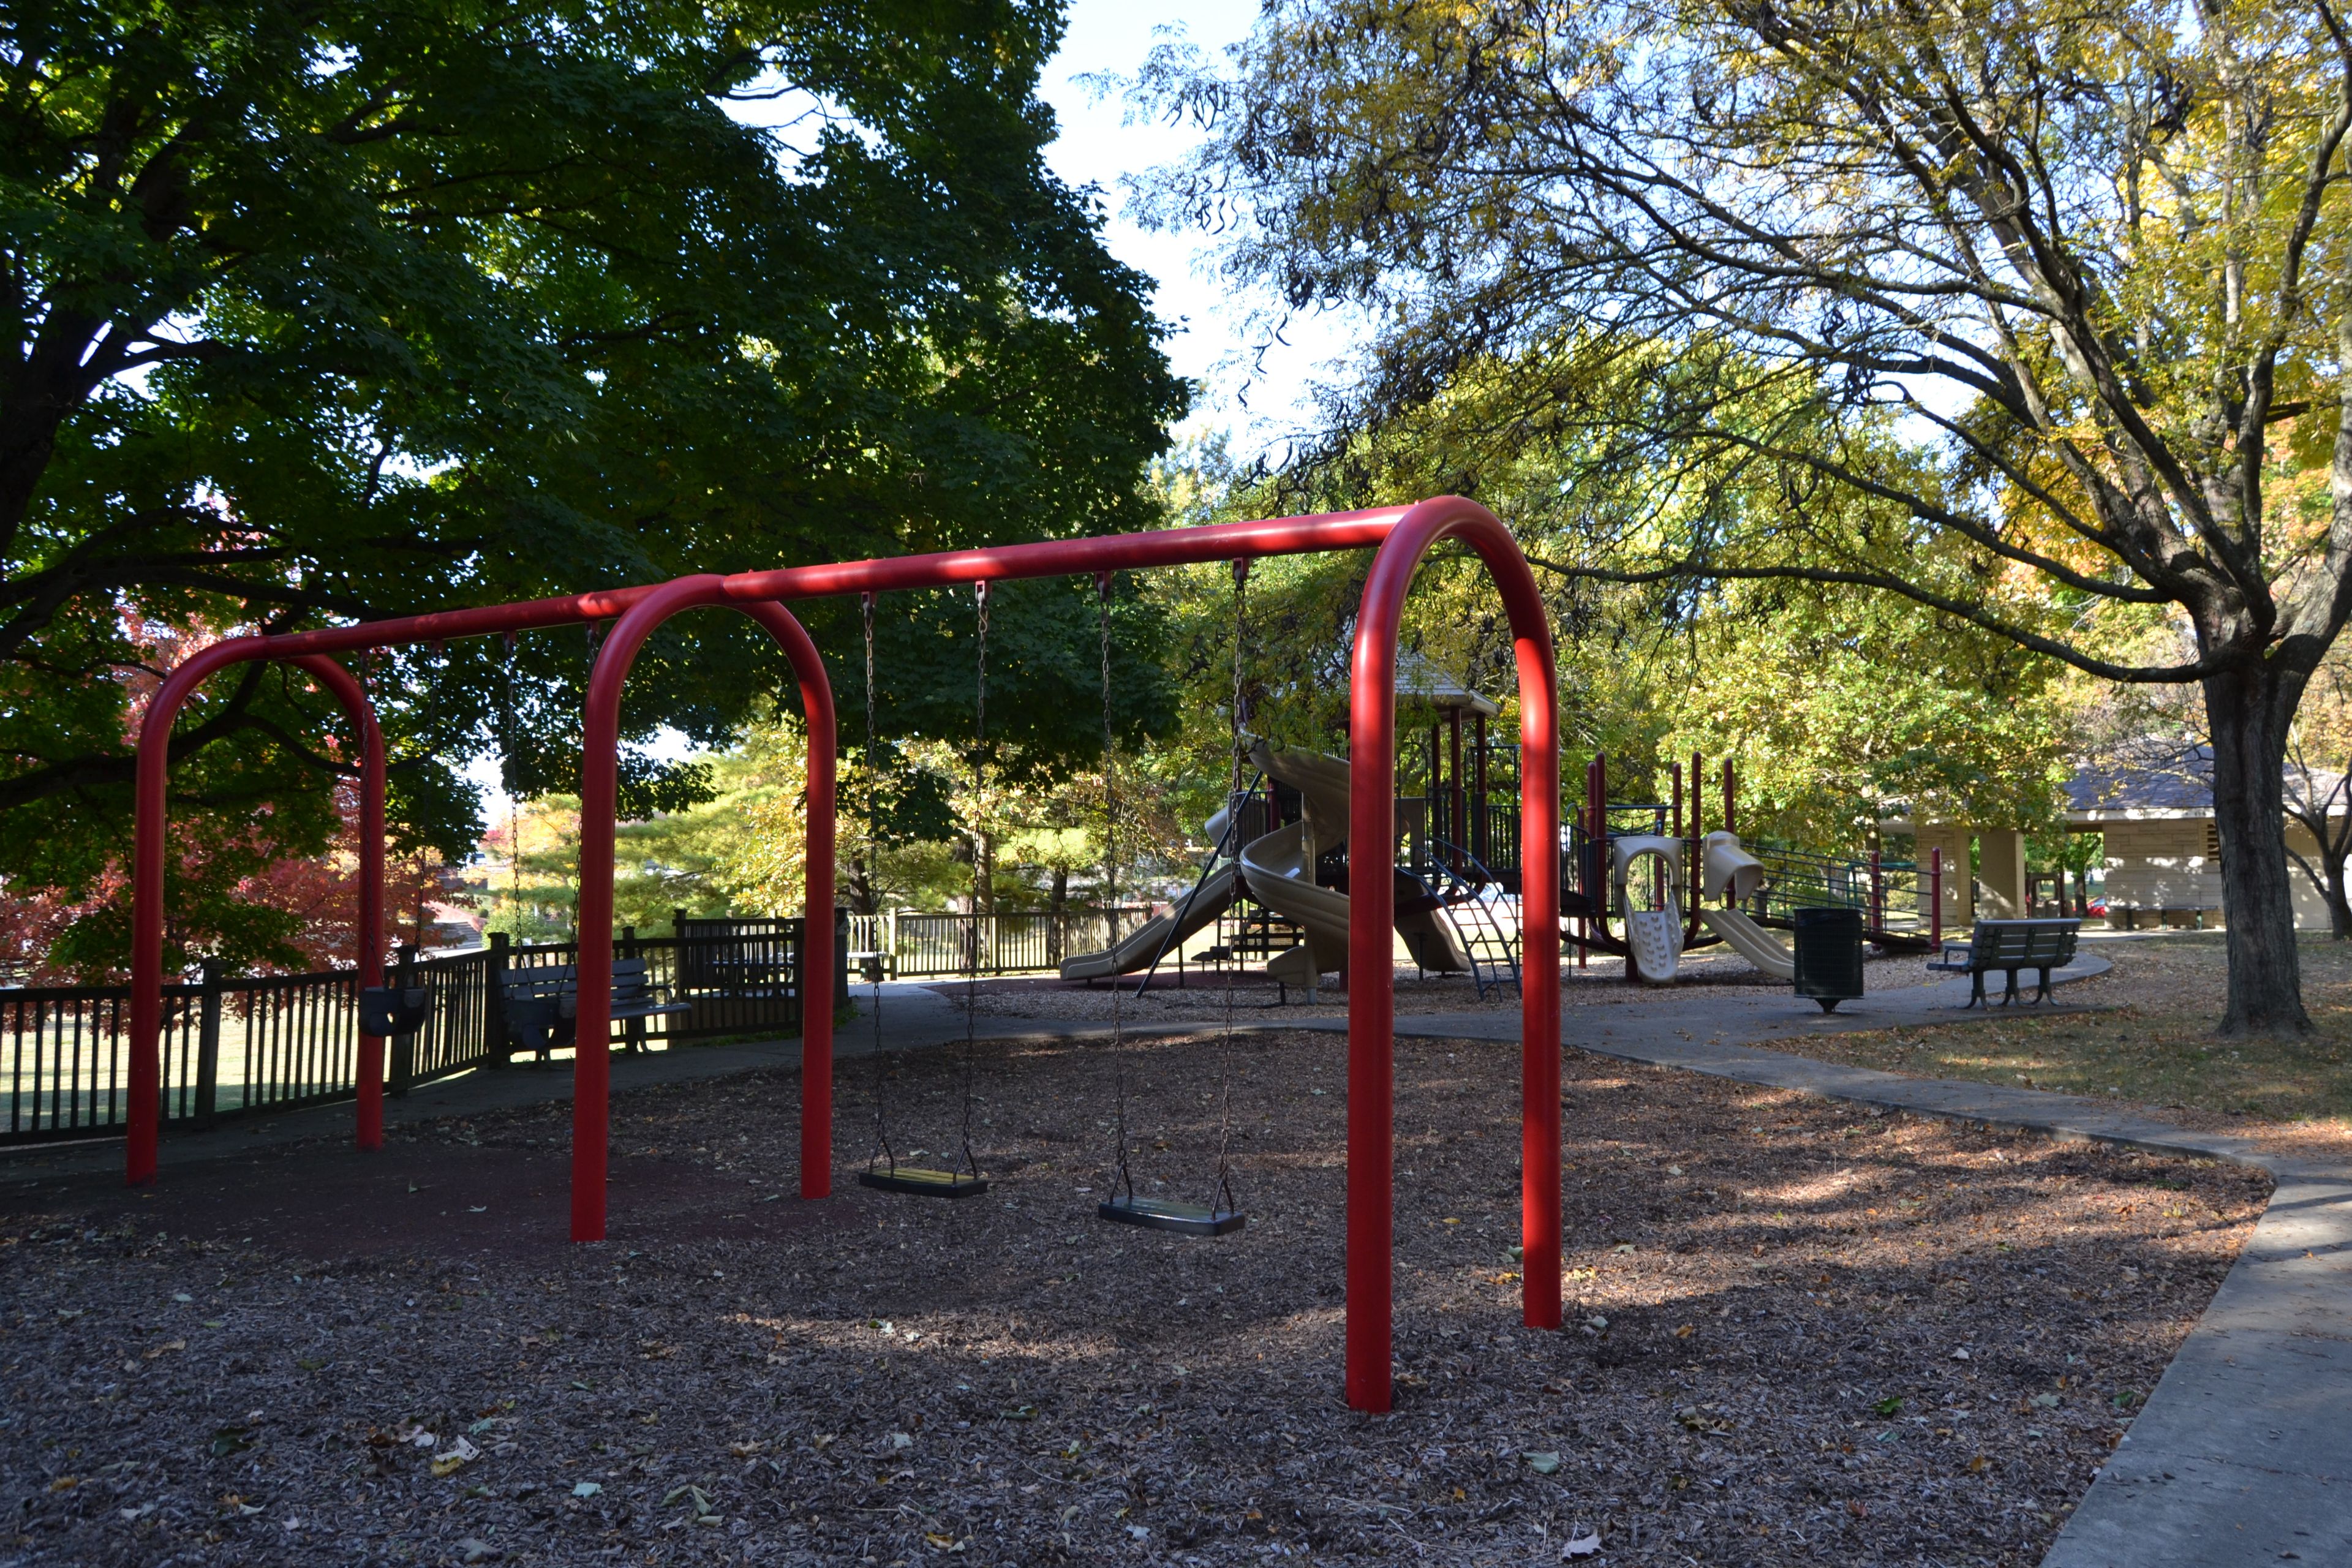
{"points": [[543, 1005], [2005, 947], [2130, 914]]}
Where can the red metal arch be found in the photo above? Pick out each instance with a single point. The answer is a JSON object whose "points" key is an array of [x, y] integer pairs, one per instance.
{"points": [[143, 1117], [1371, 910], [599, 790]]}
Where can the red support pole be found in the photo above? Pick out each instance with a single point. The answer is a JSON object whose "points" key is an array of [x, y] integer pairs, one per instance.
{"points": [[599, 792], [345, 689], [1371, 908], [1457, 821]]}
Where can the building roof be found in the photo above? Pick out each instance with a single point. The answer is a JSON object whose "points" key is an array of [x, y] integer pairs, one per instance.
{"points": [[2155, 775], [2151, 773]]}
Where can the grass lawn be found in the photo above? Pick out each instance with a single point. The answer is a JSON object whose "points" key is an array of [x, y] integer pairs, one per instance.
{"points": [[2144, 1033]]}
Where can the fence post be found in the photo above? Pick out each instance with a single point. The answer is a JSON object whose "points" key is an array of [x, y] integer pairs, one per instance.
{"points": [[208, 1045], [1877, 896], [495, 1046], [1935, 898], [840, 960], [404, 1046]]}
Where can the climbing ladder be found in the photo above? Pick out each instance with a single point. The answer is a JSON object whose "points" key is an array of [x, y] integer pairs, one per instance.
{"points": [[1473, 902]]}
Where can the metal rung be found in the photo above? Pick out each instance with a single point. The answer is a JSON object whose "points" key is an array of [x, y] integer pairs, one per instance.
{"points": [[1165, 1214], [916, 1181]]}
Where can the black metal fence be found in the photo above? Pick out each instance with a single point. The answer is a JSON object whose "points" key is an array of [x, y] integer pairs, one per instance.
{"points": [[232, 1046], [921, 946]]}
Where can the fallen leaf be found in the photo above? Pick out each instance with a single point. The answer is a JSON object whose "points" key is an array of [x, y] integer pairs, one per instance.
{"points": [[230, 1440], [166, 1348], [1892, 1403], [459, 1454], [587, 1488], [1543, 1464], [1581, 1546]]}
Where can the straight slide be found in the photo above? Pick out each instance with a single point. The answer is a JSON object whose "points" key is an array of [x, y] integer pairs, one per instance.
{"points": [[1751, 942], [1170, 930]]}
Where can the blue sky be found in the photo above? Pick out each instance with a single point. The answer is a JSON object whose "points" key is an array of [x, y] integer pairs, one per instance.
{"points": [[1097, 147]]}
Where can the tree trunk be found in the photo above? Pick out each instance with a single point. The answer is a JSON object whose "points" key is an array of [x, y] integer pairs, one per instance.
{"points": [[2247, 713]]}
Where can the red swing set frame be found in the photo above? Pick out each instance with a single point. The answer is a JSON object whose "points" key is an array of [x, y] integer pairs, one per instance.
{"points": [[1402, 536]]}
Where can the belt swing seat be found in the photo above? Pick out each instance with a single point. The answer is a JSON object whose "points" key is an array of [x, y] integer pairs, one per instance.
{"points": [[1222, 1215]]}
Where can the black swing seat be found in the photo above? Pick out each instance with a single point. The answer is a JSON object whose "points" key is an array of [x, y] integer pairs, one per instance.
{"points": [[916, 1181], [1167, 1213]]}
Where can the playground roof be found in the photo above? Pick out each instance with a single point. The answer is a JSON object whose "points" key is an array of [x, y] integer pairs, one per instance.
{"points": [[1421, 680]]}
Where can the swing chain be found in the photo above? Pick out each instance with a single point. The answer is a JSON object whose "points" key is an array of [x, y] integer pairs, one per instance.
{"points": [[881, 1124], [1222, 1198], [1126, 1179], [508, 771], [980, 804]]}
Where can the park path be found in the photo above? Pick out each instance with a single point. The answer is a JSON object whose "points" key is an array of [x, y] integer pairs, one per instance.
{"points": [[2241, 1455]]}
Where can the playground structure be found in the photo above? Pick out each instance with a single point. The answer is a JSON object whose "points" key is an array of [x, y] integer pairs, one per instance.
{"points": [[1638, 875], [1294, 865], [1401, 537]]}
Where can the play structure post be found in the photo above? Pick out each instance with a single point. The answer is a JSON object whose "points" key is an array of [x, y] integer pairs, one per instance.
{"points": [[599, 800], [1371, 910], [1935, 898], [1877, 894], [144, 1116]]}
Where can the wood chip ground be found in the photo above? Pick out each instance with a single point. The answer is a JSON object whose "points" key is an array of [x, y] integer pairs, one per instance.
{"points": [[1795, 1333]]}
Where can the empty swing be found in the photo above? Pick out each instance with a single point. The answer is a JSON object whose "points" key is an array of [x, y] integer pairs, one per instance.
{"points": [[883, 1172], [1221, 1215]]}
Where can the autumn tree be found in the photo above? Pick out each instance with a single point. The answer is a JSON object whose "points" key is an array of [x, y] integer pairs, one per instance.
{"points": [[329, 312], [2087, 261]]}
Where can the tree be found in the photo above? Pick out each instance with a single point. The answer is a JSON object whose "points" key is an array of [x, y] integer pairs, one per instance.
{"points": [[329, 312], [2084, 260], [2319, 790]]}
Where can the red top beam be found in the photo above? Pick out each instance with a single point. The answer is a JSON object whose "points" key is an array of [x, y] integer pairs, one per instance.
{"points": [[1051, 558]]}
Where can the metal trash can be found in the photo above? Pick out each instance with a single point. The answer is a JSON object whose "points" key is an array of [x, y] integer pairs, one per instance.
{"points": [[1829, 955]]}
